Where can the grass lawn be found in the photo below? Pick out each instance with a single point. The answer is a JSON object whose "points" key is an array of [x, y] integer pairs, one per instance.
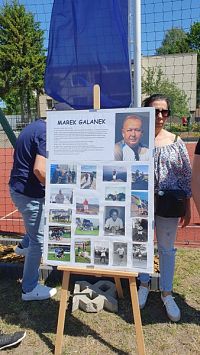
{"points": [[82, 259], [66, 257], [81, 232], [108, 333]]}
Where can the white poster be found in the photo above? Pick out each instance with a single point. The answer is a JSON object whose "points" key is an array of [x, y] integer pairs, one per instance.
{"points": [[99, 189]]}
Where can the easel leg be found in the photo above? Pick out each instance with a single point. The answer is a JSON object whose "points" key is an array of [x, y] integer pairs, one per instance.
{"points": [[118, 287], [62, 312], [137, 316]]}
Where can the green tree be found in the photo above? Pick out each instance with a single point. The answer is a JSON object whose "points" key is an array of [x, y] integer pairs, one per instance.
{"points": [[154, 82], [194, 37], [178, 41], [22, 58], [194, 43], [175, 41]]}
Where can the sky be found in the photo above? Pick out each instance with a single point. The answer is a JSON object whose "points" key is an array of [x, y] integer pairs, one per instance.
{"points": [[157, 16]]}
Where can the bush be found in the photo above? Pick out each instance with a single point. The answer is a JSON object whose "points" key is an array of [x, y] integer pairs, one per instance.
{"points": [[178, 127]]}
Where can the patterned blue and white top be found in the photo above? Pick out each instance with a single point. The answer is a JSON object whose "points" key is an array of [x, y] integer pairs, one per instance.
{"points": [[172, 168]]}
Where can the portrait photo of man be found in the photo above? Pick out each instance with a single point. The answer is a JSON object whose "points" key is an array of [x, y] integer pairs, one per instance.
{"points": [[130, 139]]}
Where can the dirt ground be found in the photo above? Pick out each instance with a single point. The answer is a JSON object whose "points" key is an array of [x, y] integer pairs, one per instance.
{"points": [[108, 333]]}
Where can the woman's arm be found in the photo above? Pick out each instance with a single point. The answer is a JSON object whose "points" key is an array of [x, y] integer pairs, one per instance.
{"points": [[186, 219]]}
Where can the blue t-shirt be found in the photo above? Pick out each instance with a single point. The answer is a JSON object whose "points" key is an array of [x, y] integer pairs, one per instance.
{"points": [[31, 141]]}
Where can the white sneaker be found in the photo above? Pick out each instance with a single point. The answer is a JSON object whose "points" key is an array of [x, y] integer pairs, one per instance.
{"points": [[39, 293], [20, 250], [172, 309], [142, 296]]}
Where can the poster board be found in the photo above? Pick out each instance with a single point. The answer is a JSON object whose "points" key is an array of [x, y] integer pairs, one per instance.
{"points": [[99, 192]]}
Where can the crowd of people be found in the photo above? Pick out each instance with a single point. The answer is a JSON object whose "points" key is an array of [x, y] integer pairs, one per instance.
{"points": [[172, 171]]}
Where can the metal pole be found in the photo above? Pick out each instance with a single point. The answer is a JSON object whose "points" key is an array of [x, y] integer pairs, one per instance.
{"points": [[7, 128], [137, 52]]}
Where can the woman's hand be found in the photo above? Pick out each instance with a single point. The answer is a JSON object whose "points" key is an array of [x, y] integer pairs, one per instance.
{"points": [[186, 219]]}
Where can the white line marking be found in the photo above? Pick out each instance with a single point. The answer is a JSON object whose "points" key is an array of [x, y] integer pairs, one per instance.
{"points": [[7, 215]]}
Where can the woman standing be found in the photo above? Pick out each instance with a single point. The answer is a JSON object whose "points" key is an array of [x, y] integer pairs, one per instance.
{"points": [[172, 172]]}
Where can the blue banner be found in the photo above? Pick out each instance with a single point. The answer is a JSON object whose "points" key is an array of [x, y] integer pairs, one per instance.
{"points": [[88, 44]]}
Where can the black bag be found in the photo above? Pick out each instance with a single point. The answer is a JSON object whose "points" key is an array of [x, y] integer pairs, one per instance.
{"points": [[170, 203]]}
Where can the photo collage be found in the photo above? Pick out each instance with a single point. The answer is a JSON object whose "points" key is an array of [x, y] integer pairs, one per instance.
{"points": [[99, 202], [98, 214]]}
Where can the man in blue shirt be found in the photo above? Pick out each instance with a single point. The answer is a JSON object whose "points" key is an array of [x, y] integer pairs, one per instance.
{"points": [[27, 189]]}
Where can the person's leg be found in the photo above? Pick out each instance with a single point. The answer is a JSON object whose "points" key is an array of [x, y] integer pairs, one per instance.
{"points": [[166, 229], [22, 247], [33, 215], [143, 290], [25, 241]]}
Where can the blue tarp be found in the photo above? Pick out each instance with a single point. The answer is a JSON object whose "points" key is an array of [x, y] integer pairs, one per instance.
{"points": [[88, 44]]}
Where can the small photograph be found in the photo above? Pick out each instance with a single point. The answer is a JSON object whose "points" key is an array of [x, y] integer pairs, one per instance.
{"points": [[140, 230], [87, 226], [101, 253], [114, 218], [120, 254], [113, 193], [61, 195], [63, 174], [139, 256], [132, 136], [88, 177], [59, 234], [59, 252], [87, 204], [82, 251], [139, 175], [114, 173], [139, 204], [60, 216]]}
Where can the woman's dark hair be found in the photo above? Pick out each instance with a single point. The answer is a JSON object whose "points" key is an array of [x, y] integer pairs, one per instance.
{"points": [[146, 102]]}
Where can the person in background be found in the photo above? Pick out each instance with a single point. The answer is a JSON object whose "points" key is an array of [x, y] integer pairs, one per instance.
{"points": [[196, 177], [184, 121], [59, 198], [8, 340], [27, 190], [172, 170]]}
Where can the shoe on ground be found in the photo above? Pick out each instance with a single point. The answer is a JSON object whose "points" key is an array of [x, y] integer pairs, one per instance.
{"points": [[7, 340], [142, 296], [19, 250], [40, 292], [172, 309]]}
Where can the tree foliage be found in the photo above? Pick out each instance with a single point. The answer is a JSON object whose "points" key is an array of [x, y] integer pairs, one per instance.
{"points": [[175, 41], [22, 58], [178, 41], [194, 37], [155, 82], [194, 42]]}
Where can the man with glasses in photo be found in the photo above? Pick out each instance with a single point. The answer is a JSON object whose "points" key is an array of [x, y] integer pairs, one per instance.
{"points": [[130, 147]]}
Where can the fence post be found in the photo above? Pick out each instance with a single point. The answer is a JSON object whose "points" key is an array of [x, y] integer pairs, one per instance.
{"points": [[7, 129]]}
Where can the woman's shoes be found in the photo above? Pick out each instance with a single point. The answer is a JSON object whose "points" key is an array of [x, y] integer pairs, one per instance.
{"points": [[171, 307]]}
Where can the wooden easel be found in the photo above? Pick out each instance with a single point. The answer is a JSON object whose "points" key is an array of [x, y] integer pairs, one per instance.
{"points": [[67, 270]]}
